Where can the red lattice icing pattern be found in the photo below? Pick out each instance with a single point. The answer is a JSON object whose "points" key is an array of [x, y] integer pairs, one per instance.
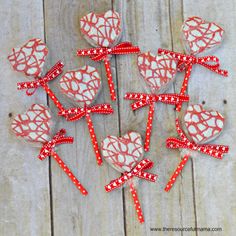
{"points": [[123, 153], [157, 71], [102, 30], [202, 125], [29, 58], [81, 85], [200, 35], [34, 124]]}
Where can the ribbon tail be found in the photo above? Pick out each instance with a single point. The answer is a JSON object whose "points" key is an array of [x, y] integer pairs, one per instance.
{"points": [[136, 202], [94, 139], [149, 127], [63, 166], [109, 78], [176, 173]]}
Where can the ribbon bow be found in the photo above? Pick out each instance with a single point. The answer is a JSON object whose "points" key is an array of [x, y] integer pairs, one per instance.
{"points": [[216, 151], [51, 74], [99, 54], [150, 99], [137, 171], [58, 139], [77, 113], [55, 71], [185, 62], [48, 150], [74, 114]]}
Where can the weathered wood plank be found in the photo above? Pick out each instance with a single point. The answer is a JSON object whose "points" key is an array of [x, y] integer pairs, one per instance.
{"points": [[99, 213], [214, 180], [24, 180], [148, 25]]}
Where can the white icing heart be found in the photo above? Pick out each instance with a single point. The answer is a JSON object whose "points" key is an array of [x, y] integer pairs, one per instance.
{"points": [[200, 35], [102, 30], [82, 85], [34, 124], [123, 153], [157, 71], [29, 58], [203, 125]]}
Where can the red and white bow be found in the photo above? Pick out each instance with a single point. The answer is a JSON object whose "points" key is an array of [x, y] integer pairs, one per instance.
{"points": [[74, 114], [143, 99], [99, 54], [48, 150], [186, 62], [214, 150], [137, 171], [32, 86]]}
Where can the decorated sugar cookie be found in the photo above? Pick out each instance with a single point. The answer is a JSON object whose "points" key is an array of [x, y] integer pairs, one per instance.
{"points": [[82, 87], [203, 126], [29, 59], [35, 126], [158, 72], [103, 31], [125, 154], [199, 36]]}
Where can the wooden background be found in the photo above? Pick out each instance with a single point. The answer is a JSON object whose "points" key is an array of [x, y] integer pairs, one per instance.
{"points": [[36, 198]]}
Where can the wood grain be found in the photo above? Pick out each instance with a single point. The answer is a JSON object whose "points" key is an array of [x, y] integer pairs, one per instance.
{"points": [[214, 180], [37, 198], [70, 209], [24, 179]]}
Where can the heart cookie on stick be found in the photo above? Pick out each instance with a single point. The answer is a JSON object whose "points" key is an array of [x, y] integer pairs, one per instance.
{"points": [[125, 154], [203, 126], [158, 72], [82, 87], [35, 126], [199, 36], [29, 59], [103, 31]]}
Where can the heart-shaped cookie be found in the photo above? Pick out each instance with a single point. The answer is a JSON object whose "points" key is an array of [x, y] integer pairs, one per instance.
{"points": [[102, 30], [200, 35], [123, 153], [202, 125], [34, 125], [29, 58], [82, 85], [157, 71]]}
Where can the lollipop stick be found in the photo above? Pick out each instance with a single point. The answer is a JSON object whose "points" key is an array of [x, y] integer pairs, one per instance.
{"points": [[136, 202], [109, 78], [184, 85], [176, 173], [149, 127], [93, 139], [69, 173], [53, 97]]}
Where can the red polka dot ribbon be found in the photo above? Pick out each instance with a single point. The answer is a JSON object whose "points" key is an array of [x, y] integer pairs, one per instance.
{"points": [[48, 150], [74, 114], [216, 151], [32, 86], [137, 171], [186, 62], [99, 54], [150, 100]]}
